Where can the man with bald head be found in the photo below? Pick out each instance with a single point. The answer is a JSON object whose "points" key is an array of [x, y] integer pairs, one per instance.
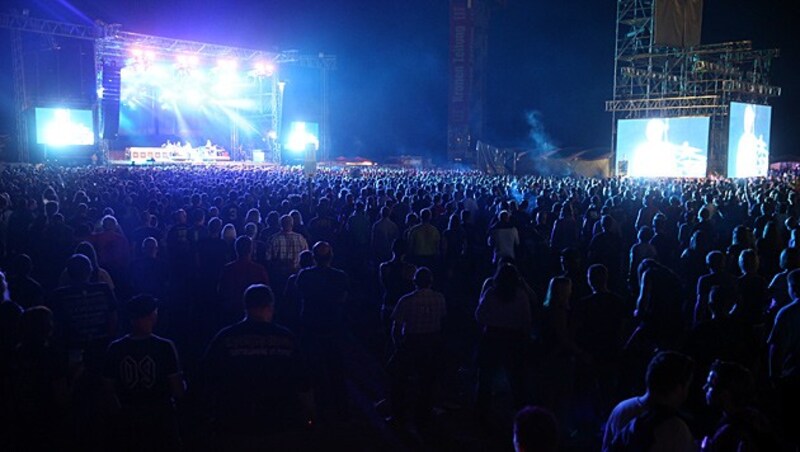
{"points": [[323, 292]]}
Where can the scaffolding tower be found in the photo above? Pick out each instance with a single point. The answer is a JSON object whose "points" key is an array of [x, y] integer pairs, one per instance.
{"points": [[652, 80], [111, 43]]}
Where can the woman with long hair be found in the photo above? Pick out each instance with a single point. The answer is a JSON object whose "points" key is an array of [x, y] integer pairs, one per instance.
{"points": [[504, 313]]}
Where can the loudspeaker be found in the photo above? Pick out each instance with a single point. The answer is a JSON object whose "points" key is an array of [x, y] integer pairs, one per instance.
{"points": [[112, 82]]}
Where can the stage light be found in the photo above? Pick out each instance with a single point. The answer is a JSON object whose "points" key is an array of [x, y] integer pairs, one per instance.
{"points": [[227, 64], [150, 55], [188, 60], [136, 52], [263, 68], [302, 136], [273, 135], [194, 97]]}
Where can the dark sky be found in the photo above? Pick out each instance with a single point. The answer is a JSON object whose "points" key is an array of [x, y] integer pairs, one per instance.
{"points": [[389, 92]]}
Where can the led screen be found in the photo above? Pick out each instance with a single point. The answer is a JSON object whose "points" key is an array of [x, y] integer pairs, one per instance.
{"points": [[748, 140], [302, 136], [663, 147], [64, 127]]}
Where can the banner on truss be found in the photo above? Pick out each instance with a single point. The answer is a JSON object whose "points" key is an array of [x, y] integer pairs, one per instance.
{"points": [[678, 23]]}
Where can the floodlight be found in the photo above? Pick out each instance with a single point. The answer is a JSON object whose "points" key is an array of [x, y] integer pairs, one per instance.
{"points": [[228, 64]]}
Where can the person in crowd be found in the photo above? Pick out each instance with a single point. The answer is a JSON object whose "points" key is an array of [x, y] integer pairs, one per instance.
{"points": [[561, 349], [606, 249], [599, 322], [10, 313], [39, 386], [289, 306], [145, 375], [640, 251], [148, 227], [741, 240], [283, 251], [717, 276], [503, 238], [693, 261], [113, 249], [256, 380], [665, 241], [323, 227], [504, 314], [651, 421], [424, 241], [417, 333], [22, 288], [85, 314], [659, 307], [565, 229], [731, 388], [752, 289], [779, 286], [536, 429], [98, 273], [179, 246], [397, 279], [323, 290], [237, 276], [455, 244], [769, 246], [721, 336], [784, 358], [384, 233], [573, 269], [148, 273]]}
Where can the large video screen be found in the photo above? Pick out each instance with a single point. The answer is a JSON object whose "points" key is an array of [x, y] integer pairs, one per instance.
{"points": [[302, 136], [64, 127], [663, 147], [748, 140]]}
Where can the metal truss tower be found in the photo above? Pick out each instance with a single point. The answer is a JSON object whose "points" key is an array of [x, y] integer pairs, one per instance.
{"points": [[113, 44], [20, 96], [652, 80]]}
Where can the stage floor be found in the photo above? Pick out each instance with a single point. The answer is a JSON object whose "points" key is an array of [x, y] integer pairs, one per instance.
{"points": [[128, 162]]}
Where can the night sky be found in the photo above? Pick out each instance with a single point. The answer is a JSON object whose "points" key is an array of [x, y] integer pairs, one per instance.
{"points": [[390, 90]]}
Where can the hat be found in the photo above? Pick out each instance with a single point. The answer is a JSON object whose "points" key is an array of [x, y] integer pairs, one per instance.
{"points": [[141, 306]]}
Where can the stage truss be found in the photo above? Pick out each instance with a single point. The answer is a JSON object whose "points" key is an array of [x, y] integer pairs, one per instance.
{"points": [[657, 81], [111, 44]]}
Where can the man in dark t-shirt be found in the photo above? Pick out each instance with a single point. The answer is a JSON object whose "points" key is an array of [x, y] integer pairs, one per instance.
{"points": [[85, 313], [599, 318], [144, 371], [323, 290], [256, 381]]}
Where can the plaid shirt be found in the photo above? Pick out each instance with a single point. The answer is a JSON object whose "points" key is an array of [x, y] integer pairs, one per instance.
{"points": [[420, 312], [285, 248]]}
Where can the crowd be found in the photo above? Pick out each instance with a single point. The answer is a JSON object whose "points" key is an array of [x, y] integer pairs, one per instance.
{"points": [[168, 308]]}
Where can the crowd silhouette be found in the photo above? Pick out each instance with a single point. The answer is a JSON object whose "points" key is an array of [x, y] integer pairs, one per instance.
{"points": [[234, 308]]}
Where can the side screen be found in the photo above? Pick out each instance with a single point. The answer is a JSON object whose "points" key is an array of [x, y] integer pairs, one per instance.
{"points": [[663, 147], [302, 136], [748, 140], [64, 127]]}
